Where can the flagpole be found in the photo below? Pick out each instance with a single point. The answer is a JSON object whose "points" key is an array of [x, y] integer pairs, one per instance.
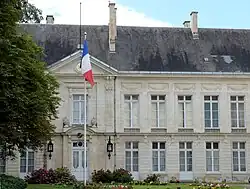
{"points": [[85, 126]]}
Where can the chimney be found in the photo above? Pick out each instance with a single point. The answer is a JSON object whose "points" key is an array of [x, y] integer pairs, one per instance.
{"points": [[50, 19], [194, 24], [186, 24], [112, 27]]}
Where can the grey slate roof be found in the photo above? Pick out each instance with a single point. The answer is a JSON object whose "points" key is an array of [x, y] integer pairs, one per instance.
{"points": [[150, 48]]}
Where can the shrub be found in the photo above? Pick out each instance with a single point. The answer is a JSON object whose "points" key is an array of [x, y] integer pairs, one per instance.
{"points": [[118, 175], [122, 176], [58, 176], [41, 176], [152, 178], [102, 176], [64, 176], [10, 182]]}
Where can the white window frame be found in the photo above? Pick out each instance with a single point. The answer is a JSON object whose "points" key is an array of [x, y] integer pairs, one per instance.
{"points": [[131, 150], [186, 150], [158, 102], [158, 150], [212, 150], [238, 150], [130, 101], [184, 102], [237, 101], [72, 109], [27, 161], [211, 101]]}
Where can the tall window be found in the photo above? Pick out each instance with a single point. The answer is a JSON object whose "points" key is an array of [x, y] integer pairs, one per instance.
{"points": [[78, 109], [131, 111], [185, 156], [27, 161], [211, 111], [132, 156], [239, 157], [185, 111], [159, 156], [158, 110], [212, 156], [2, 161], [237, 111]]}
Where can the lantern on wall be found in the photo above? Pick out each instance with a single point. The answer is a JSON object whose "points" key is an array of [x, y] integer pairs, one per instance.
{"points": [[109, 147], [50, 148]]}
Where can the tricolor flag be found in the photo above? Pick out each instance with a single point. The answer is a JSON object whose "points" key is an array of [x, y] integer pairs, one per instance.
{"points": [[86, 65]]}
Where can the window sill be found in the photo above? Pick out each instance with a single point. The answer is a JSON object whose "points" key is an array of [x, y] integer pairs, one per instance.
{"points": [[240, 172], [213, 173], [131, 130], [185, 130], [212, 130], [158, 129], [239, 130]]}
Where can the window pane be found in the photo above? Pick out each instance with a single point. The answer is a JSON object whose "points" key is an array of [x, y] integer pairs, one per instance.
{"points": [[155, 160], [181, 145], [208, 145], [162, 145], [135, 114], [135, 145], [127, 145], [162, 160], [208, 160], [135, 161], [154, 114], [215, 145], [128, 160], [181, 114], [182, 160], [161, 114], [155, 145], [127, 118], [189, 145]]}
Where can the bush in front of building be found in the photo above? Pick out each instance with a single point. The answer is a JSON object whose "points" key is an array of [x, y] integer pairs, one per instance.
{"points": [[11, 182], [57, 176], [117, 176]]}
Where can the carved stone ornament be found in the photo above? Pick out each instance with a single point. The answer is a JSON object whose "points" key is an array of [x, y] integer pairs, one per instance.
{"points": [[93, 122], [65, 122]]}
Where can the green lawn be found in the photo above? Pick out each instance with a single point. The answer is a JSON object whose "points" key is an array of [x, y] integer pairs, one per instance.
{"points": [[169, 186]]}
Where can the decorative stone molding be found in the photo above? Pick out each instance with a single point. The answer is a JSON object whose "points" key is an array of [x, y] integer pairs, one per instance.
{"points": [[237, 88], [145, 139], [184, 86], [158, 86], [133, 86], [211, 87]]}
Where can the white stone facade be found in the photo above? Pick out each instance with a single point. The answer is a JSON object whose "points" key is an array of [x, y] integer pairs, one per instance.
{"points": [[108, 115]]}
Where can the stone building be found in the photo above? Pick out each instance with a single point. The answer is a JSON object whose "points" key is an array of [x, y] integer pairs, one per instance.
{"points": [[174, 101]]}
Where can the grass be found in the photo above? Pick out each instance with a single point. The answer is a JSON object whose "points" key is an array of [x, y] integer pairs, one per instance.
{"points": [[169, 186]]}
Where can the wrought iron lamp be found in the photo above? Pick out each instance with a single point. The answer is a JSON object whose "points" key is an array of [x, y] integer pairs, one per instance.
{"points": [[109, 147], [50, 148]]}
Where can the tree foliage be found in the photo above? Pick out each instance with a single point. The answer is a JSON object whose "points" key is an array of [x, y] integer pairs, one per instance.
{"points": [[30, 13], [28, 92]]}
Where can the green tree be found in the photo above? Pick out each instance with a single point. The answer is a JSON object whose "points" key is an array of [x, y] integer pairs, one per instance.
{"points": [[28, 92], [30, 13]]}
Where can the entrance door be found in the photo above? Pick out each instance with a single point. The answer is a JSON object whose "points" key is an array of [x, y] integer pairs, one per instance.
{"points": [[78, 168], [27, 163], [132, 159], [186, 161]]}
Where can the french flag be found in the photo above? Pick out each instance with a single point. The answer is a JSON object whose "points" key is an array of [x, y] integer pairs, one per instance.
{"points": [[86, 65]]}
